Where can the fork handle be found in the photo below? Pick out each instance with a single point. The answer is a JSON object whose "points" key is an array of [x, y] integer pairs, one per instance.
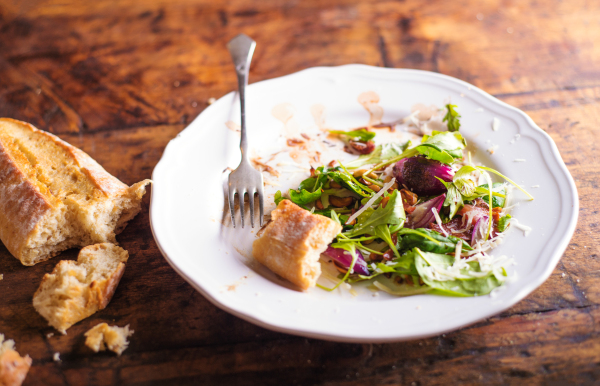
{"points": [[241, 49]]}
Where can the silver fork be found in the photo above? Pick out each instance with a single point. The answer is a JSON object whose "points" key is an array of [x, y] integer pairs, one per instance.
{"points": [[244, 179]]}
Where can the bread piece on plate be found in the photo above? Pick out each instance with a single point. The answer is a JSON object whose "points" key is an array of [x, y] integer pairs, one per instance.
{"points": [[54, 196], [13, 367], [292, 243], [77, 289], [103, 336]]}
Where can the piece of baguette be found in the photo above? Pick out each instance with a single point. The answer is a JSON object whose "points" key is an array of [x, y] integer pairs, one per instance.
{"points": [[103, 336], [13, 367], [77, 289], [292, 243], [54, 196]]}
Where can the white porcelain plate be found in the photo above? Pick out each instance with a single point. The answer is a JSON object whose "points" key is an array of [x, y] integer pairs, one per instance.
{"points": [[191, 226]]}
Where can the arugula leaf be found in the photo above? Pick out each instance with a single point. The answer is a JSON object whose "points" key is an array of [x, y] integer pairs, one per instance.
{"points": [[381, 153], [383, 232], [452, 118], [473, 286], [303, 196], [497, 201], [503, 223], [346, 180], [421, 238], [442, 146], [357, 135], [392, 214], [454, 198], [465, 182], [278, 197]]}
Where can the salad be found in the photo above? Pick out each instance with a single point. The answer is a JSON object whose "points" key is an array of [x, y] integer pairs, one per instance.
{"points": [[416, 217]]}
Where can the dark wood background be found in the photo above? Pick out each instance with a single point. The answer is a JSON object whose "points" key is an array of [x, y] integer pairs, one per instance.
{"points": [[120, 79]]}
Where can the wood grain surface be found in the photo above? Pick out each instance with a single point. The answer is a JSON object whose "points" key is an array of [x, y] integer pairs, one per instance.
{"points": [[120, 79]]}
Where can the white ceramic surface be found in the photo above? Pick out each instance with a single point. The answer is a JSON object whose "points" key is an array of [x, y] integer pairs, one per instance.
{"points": [[188, 208]]}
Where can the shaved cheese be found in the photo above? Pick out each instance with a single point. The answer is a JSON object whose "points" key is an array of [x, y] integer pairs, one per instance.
{"points": [[458, 250], [495, 124], [520, 226], [371, 201], [438, 220]]}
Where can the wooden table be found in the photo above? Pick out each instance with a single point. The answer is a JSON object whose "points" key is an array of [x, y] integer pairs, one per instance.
{"points": [[121, 79]]}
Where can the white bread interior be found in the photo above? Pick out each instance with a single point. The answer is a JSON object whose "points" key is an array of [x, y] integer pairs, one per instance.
{"points": [[13, 367], [77, 289], [103, 336], [53, 196]]}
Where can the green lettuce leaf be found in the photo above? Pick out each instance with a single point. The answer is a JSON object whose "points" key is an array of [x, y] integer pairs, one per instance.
{"points": [[278, 197], [421, 238], [497, 187], [473, 286], [356, 135], [452, 118], [380, 154], [503, 222], [442, 146]]}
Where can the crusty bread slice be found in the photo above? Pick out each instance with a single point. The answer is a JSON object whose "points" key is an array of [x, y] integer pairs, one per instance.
{"points": [[54, 196], [103, 336], [75, 290], [13, 367], [292, 243]]}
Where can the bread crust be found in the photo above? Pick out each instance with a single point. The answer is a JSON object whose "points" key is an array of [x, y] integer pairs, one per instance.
{"points": [[292, 243], [25, 202], [74, 302]]}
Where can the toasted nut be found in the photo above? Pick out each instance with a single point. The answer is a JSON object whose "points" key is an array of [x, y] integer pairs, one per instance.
{"points": [[365, 182], [312, 171], [388, 255], [340, 202], [387, 179], [375, 257], [335, 185], [393, 187], [331, 164], [374, 187], [319, 204], [409, 197], [384, 201], [340, 268], [359, 173], [409, 280], [367, 242], [395, 238], [372, 175]]}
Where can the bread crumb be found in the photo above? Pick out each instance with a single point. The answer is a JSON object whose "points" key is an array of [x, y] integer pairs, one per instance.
{"points": [[103, 336], [13, 367], [1, 276], [56, 357], [76, 290]]}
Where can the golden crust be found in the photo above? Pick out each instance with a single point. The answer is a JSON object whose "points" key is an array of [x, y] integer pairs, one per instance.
{"points": [[26, 201], [67, 295], [292, 243], [13, 368]]}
